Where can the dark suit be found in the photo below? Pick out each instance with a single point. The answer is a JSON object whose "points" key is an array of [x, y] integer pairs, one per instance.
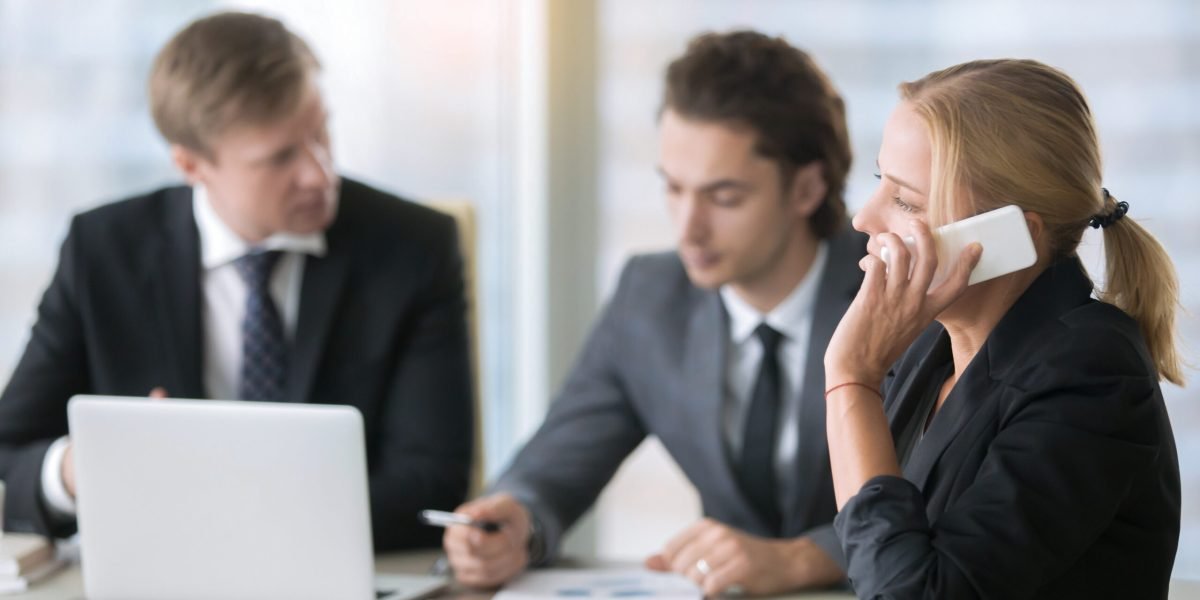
{"points": [[381, 327], [1049, 472], [654, 364]]}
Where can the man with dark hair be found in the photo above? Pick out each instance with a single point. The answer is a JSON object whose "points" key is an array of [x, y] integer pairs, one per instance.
{"points": [[268, 278], [717, 348]]}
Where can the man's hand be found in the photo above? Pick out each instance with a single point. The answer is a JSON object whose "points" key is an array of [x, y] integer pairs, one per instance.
{"points": [[718, 558], [482, 559], [67, 472]]}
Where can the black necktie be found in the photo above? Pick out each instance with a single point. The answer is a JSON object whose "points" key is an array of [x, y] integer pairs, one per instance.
{"points": [[757, 467], [264, 349]]}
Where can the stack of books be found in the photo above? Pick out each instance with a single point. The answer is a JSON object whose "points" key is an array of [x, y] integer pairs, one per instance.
{"points": [[24, 559]]}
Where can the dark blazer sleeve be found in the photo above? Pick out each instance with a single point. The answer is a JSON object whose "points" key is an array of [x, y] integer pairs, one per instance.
{"points": [[590, 429], [426, 430], [1078, 430], [33, 410]]}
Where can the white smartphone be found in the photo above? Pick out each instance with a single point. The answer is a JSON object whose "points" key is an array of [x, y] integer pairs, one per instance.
{"points": [[1007, 245]]}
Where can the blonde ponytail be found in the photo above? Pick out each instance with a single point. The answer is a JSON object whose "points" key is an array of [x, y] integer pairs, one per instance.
{"points": [[1141, 280]]}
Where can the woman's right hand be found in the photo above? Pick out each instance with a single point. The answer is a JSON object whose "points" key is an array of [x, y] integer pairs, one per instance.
{"points": [[893, 306]]}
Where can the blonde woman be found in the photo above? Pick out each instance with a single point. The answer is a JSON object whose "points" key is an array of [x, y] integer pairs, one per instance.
{"points": [[1022, 448]]}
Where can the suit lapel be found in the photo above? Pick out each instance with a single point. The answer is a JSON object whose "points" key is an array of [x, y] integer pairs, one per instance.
{"points": [[903, 408], [1061, 287], [174, 281], [836, 291], [707, 346], [320, 291], [960, 407]]}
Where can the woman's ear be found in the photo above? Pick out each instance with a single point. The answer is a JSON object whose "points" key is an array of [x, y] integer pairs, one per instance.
{"points": [[1037, 229]]}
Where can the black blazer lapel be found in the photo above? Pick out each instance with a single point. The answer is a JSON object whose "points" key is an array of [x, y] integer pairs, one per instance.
{"points": [[324, 279], [1063, 286], [173, 280], [962, 405], [930, 352]]}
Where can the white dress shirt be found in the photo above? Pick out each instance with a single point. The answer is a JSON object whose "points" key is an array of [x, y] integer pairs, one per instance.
{"points": [[224, 304], [225, 291], [792, 318]]}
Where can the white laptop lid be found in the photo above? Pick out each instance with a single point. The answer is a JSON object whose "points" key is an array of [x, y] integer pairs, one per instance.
{"points": [[213, 499]]}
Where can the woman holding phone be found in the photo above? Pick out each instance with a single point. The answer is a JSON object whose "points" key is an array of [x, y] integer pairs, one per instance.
{"points": [[1021, 448]]}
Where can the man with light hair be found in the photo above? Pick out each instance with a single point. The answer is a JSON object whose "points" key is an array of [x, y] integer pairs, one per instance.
{"points": [[268, 277]]}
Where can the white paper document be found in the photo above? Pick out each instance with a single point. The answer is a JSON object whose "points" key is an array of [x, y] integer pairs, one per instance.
{"points": [[582, 584]]}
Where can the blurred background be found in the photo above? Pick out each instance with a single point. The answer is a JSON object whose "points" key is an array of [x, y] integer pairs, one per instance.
{"points": [[541, 113]]}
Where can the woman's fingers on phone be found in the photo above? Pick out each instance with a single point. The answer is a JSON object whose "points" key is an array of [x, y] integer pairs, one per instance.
{"points": [[897, 260], [874, 274]]}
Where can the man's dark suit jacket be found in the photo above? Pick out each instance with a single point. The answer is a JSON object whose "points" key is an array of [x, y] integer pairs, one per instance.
{"points": [[381, 327], [1049, 472], [654, 364]]}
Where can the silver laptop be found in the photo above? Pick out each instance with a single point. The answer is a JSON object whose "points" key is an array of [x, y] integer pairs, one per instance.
{"points": [[215, 499]]}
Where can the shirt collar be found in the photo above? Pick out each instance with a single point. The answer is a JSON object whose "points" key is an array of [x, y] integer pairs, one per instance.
{"points": [[219, 245], [790, 317]]}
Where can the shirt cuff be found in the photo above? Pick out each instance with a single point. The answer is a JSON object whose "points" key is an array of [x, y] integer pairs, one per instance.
{"points": [[54, 492]]}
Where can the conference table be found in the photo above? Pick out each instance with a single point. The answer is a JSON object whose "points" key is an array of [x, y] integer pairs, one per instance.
{"points": [[67, 584]]}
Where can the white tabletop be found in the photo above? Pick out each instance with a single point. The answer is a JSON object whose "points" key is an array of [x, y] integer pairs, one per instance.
{"points": [[68, 583]]}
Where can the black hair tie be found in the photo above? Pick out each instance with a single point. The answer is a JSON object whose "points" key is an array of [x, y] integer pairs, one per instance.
{"points": [[1099, 221]]}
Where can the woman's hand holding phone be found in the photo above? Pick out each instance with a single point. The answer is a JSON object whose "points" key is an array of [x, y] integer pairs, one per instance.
{"points": [[890, 311]]}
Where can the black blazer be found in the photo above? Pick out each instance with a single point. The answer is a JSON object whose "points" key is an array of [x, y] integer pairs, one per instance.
{"points": [[381, 327], [1049, 472]]}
